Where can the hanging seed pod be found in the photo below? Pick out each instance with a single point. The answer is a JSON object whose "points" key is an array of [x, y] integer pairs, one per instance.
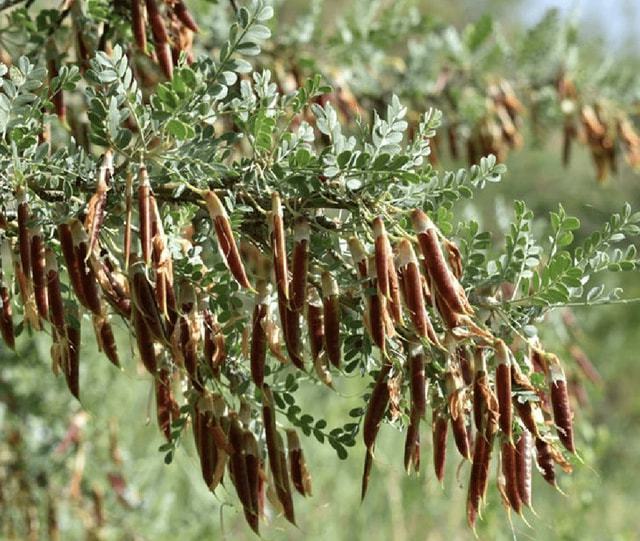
{"points": [[252, 461], [300, 265], [226, 242], [417, 373], [523, 467], [87, 275], [107, 340], [258, 335], [466, 364], [503, 389], [439, 430], [138, 25], [376, 309], [412, 444], [545, 461], [562, 415], [54, 294], [359, 256], [24, 240], [278, 246], [96, 207], [395, 302], [299, 473], [412, 286], [144, 300], [202, 434], [315, 323], [480, 390], [190, 334], [144, 339], [475, 494], [184, 16], [214, 349], [383, 257], [240, 477], [508, 459], [72, 365], [274, 449], [440, 275], [6, 317], [160, 38], [65, 237], [331, 314], [455, 388], [38, 271], [144, 214], [164, 402], [30, 310]]}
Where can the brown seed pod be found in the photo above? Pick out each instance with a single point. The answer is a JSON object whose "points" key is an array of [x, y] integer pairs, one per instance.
{"points": [[441, 277], [6, 317], [331, 313], [300, 265], [315, 323], [144, 339], [300, 476], [240, 476], [72, 263], [87, 275], [480, 390], [107, 340], [278, 246], [475, 494], [54, 294], [96, 207], [38, 271], [383, 257], [376, 309], [503, 389], [226, 242], [252, 461], [523, 467], [544, 459], [376, 408], [72, 365], [439, 431], [412, 444], [24, 240], [465, 362], [214, 348], [258, 335], [184, 16], [138, 25], [144, 214], [525, 412], [562, 415], [410, 271], [508, 457], [144, 300], [360, 258], [164, 402], [418, 382]]}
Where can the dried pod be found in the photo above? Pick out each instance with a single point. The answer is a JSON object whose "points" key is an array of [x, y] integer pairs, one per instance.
{"points": [[38, 272], [258, 335], [418, 381], [562, 415], [300, 265], [165, 403], [144, 300], [412, 444], [360, 258], [315, 323], [544, 459], [138, 25], [184, 16], [72, 364], [240, 476], [96, 207], [331, 313], [508, 459], [144, 214], [441, 277], [87, 275], [226, 242], [479, 474], [383, 257], [54, 295], [160, 38], [214, 348], [144, 339], [439, 430], [376, 309], [300, 476], [6, 317], [65, 236], [503, 388], [523, 467], [24, 240]]}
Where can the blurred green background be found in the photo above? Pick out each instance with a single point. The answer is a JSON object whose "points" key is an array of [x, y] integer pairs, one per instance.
{"points": [[170, 502]]}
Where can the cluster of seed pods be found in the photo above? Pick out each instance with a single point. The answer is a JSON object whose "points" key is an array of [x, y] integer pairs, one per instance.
{"points": [[412, 302]]}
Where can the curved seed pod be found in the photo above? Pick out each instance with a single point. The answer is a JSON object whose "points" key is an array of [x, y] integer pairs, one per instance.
{"points": [[454, 257], [226, 242], [165, 403], [252, 461], [315, 321], [383, 257], [107, 341], [287, 504], [95, 210], [38, 271], [523, 467], [466, 364], [562, 416], [412, 444], [214, 350], [24, 241], [376, 310], [508, 458], [138, 25], [6, 318], [65, 237], [184, 16], [439, 429], [461, 435], [525, 412], [160, 37], [144, 339], [418, 380], [87, 275], [408, 265], [72, 368], [503, 389], [278, 246], [144, 214], [299, 473], [544, 459], [331, 313], [258, 335], [441, 276], [54, 294]]}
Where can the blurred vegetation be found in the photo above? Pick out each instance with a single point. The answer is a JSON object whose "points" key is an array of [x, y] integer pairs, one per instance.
{"points": [[165, 502]]}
